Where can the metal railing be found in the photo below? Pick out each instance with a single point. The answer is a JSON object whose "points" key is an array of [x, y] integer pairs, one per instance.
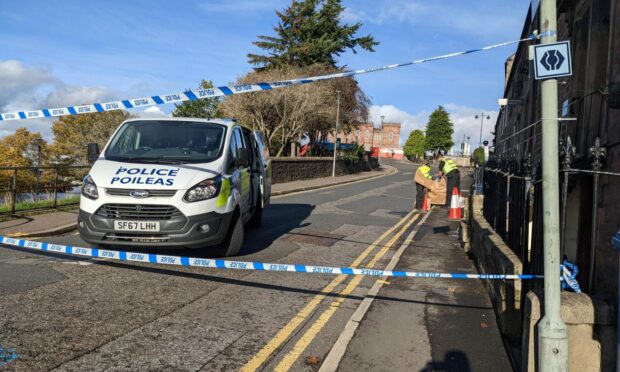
{"points": [[513, 207], [25, 189]]}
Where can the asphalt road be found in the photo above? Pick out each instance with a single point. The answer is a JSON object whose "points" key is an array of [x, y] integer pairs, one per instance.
{"points": [[71, 314]]}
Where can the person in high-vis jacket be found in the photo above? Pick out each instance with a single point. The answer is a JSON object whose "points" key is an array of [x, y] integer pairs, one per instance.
{"points": [[448, 168], [423, 173]]}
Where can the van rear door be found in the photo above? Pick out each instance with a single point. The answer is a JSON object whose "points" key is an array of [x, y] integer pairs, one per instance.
{"points": [[265, 160]]}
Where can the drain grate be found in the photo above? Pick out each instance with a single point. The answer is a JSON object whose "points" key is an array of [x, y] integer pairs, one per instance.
{"points": [[7, 356], [314, 237]]}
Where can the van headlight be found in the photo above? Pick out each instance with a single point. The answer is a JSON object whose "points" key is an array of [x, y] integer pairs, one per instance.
{"points": [[89, 189], [204, 190]]}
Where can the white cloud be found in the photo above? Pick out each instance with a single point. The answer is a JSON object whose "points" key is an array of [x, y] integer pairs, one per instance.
{"points": [[392, 11], [30, 88], [465, 123], [151, 112], [462, 117], [70, 95], [393, 114]]}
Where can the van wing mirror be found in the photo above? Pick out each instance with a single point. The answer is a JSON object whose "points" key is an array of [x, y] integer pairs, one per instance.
{"points": [[92, 152], [243, 157]]}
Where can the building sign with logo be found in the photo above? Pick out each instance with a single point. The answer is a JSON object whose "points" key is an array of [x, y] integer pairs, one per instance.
{"points": [[552, 60]]}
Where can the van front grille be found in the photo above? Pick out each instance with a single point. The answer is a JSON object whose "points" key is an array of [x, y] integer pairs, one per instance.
{"points": [[138, 211], [152, 193]]}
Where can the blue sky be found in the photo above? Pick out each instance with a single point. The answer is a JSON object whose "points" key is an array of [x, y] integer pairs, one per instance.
{"points": [[76, 52]]}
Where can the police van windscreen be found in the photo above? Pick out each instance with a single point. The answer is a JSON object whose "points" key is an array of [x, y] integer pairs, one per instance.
{"points": [[167, 141]]}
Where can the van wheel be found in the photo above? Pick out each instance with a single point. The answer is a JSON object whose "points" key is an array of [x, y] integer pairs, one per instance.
{"points": [[234, 241], [257, 217]]}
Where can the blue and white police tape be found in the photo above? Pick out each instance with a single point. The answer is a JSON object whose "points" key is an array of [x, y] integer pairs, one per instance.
{"points": [[194, 94], [568, 276], [240, 265]]}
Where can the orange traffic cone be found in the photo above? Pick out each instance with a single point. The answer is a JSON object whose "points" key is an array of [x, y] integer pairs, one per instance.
{"points": [[425, 204], [455, 209]]}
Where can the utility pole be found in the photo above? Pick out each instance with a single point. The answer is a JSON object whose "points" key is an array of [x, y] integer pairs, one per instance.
{"points": [[336, 137], [552, 337]]}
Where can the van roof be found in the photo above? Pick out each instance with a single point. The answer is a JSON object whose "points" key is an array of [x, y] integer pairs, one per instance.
{"points": [[222, 121]]}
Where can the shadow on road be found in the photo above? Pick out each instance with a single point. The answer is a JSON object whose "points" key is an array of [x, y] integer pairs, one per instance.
{"points": [[240, 282], [454, 361], [278, 220]]}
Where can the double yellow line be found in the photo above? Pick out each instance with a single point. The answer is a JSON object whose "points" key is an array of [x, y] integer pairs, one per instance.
{"points": [[265, 353]]}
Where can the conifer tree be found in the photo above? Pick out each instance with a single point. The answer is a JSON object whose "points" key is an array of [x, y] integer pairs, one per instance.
{"points": [[309, 32], [439, 130], [205, 108]]}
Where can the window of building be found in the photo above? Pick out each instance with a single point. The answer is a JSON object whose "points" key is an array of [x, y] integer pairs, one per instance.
{"points": [[391, 136], [367, 135]]}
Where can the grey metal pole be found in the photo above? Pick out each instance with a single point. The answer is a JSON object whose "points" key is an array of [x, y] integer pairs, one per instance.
{"points": [[336, 138], [481, 124], [552, 337]]}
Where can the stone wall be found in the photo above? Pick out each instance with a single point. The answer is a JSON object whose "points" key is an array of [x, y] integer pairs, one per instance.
{"points": [[590, 322], [493, 256], [302, 168]]}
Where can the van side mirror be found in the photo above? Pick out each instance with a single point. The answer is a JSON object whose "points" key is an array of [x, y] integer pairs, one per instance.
{"points": [[243, 157], [92, 152]]}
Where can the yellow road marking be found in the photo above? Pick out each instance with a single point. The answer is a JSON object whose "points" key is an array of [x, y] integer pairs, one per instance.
{"points": [[305, 340], [284, 333], [16, 235]]}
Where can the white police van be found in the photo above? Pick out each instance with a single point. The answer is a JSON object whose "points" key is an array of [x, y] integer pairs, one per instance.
{"points": [[176, 182]]}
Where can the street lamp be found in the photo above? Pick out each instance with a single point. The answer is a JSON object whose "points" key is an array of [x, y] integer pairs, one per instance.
{"points": [[481, 125]]}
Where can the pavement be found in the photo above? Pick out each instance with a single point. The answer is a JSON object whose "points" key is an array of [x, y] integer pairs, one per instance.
{"points": [[45, 224], [60, 222], [71, 314]]}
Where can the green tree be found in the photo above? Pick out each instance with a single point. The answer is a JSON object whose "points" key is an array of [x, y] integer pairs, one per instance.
{"points": [[309, 32], [415, 145], [479, 156], [20, 149], [439, 130], [206, 108], [73, 133]]}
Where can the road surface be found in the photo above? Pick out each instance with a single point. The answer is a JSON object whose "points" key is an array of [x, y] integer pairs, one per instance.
{"points": [[72, 314]]}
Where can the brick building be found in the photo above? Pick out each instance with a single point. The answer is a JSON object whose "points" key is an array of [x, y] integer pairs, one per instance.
{"points": [[386, 138], [589, 147]]}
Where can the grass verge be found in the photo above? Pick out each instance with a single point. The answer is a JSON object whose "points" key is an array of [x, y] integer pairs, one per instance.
{"points": [[39, 204]]}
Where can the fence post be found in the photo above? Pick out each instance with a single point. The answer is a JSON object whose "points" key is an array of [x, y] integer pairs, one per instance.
{"points": [[567, 153], [56, 187], [598, 156], [14, 191]]}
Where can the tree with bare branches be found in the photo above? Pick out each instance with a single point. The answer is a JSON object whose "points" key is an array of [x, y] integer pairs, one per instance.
{"points": [[286, 115]]}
